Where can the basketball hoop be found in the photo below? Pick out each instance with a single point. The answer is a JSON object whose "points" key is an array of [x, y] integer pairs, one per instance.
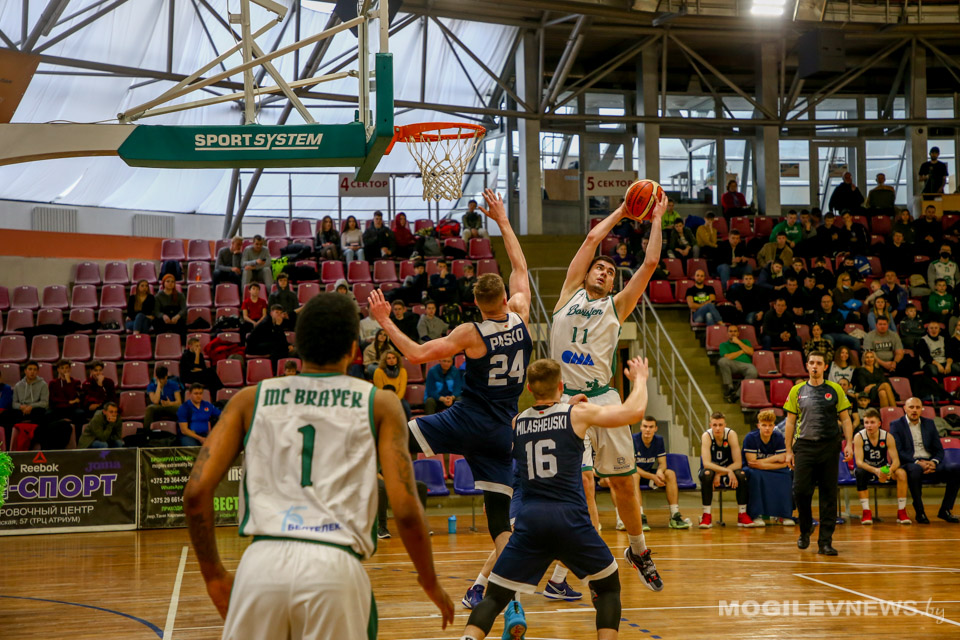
{"points": [[442, 150]]}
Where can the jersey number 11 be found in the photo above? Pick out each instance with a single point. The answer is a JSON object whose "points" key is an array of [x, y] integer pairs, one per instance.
{"points": [[574, 339]]}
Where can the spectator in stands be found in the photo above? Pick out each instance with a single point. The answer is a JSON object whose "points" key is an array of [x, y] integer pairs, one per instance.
{"points": [[855, 267], [824, 276], [443, 284], [700, 301], [195, 418], [842, 367], [773, 277], [256, 264], [290, 368], [880, 199], [430, 327], [31, 397], [392, 376], [195, 369], [269, 338], [921, 454], [777, 250], [749, 299], [932, 352], [652, 471], [870, 380], [809, 297], [904, 223], [845, 298], [623, 258], [65, 401], [828, 236], [374, 353], [473, 223], [808, 231], [414, 286], [721, 466], [254, 308], [378, 240], [733, 202], [369, 328], [286, 297], [833, 324], [779, 327], [853, 236], [706, 238], [889, 349], [405, 320], [880, 309], [141, 309], [105, 430], [163, 397], [342, 287], [897, 255], [795, 269], [911, 328], [791, 293], [846, 196], [229, 265], [896, 295], [466, 283], [670, 216], [681, 243], [404, 240], [171, 308], [818, 342], [944, 268], [328, 240], [768, 478], [97, 389], [933, 173], [731, 258], [736, 357], [351, 241], [791, 228], [428, 244], [928, 231], [871, 448], [444, 386]]}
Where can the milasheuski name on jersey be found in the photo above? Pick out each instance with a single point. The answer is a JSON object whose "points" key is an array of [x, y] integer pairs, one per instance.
{"points": [[539, 425], [256, 141], [326, 398]]}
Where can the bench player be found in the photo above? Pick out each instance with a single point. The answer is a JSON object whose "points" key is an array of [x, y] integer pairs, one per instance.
{"points": [[554, 524], [309, 498], [586, 330], [872, 446], [498, 351]]}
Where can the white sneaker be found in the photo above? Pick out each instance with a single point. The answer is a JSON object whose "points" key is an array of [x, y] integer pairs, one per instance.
{"points": [[787, 522], [620, 525]]}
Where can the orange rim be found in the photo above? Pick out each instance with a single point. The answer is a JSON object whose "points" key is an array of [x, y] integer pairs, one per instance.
{"points": [[419, 132]]}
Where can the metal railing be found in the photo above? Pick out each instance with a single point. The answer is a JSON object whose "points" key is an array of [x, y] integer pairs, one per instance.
{"points": [[539, 315]]}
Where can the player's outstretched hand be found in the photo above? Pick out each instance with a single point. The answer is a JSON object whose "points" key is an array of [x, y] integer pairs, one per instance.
{"points": [[219, 589], [440, 598], [495, 209], [379, 307], [660, 207], [637, 369]]}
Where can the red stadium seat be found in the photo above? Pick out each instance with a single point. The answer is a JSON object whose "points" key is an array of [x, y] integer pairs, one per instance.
{"points": [[487, 266], [199, 272], [76, 347], [113, 296], [230, 336], [803, 332], [720, 224], [55, 297], [172, 250], [682, 287], [901, 386], [422, 224], [144, 271], [258, 369], [45, 348], [130, 429], [9, 374], [928, 412], [275, 228], [224, 395], [199, 250], [4, 298], [167, 347], [282, 362], [84, 296], [107, 347], [227, 295], [87, 273], [198, 295], [389, 286], [753, 395], [950, 443], [135, 375], [331, 271], [766, 364], [742, 224], [199, 313], [717, 290], [480, 249], [18, 319], [358, 271], [46, 372], [674, 268], [138, 348], [414, 372], [792, 365], [697, 263], [457, 267], [300, 228], [716, 335], [414, 395], [661, 292], [762, 226], [104, 316], [944, 411], [25, 297], [888, 415], [454, 243], [307, 290], [230, 373], [951, 383], [608, 245], [275, 246], [384, 271], [779, 390], [204, 338], [361, 291], [133, 405], [747, 332], [168, 426], [116, 273], [13, 349]]}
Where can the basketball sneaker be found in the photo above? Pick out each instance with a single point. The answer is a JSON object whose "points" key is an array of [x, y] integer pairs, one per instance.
{"points": [[902, 517], [383, 533], [867, 517], [645, 567], [743, 520], [620, 525], [787, 522], [515, 623], [560, 591], [677, 521], [643, 519], [706, 522], [473, 597]]}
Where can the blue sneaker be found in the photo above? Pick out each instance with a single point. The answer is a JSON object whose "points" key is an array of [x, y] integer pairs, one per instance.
{"points": [[515, 623], [473, 597], [560, 591]]}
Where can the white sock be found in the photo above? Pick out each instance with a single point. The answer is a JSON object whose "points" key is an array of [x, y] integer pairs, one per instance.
{"points": [[901, 503], [741, 508], [481, 581], [637, 544], [865, 503], [674, 508], [641, 510], [559, 574], [617, 511], [706, 510]]}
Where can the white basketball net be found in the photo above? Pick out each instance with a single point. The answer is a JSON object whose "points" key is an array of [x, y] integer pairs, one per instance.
{"points": [[443, 162]]}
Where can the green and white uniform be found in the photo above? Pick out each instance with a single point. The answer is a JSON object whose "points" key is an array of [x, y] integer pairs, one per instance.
{"points": [[584, 341], [309, 499]]}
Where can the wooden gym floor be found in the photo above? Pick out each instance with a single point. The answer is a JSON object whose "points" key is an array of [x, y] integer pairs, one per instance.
{"points": [[146, 584]]}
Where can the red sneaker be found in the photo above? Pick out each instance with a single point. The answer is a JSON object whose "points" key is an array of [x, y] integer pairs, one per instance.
{"points": [[867, 517], [743, 520], [706, 521], [902, 517]]}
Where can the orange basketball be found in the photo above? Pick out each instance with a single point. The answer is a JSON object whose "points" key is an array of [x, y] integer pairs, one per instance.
{"points": [[642, 196]]}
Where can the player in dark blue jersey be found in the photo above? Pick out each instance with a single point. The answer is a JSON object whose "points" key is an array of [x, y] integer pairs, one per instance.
{"points": [[555, 523], [877, 458], [652, 471], [768, 478], [498, 351]]}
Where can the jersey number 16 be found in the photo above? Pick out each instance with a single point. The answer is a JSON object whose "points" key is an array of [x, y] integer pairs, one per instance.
{"points": [[540, 463]]}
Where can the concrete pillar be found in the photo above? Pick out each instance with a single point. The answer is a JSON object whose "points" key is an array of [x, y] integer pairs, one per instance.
{"points": [[916, 150], [648, 135], [767, 148], [531, 193]]}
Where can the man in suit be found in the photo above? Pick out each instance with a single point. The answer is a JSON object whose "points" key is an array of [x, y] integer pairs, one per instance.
{"points": [[921, 453]]}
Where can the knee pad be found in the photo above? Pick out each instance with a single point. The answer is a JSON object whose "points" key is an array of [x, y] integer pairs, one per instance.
{"points": [[606, 600], [708, 474], [741, 475], [498, 512]]}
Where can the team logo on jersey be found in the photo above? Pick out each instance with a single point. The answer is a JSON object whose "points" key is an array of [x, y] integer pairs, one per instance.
{"points": [[829, 396], [883, 443], [575, 310], [292, 519], [572, 357]]}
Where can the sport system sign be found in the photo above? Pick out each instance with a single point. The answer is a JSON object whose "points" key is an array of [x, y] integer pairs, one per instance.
{"points": [[256, 141]]}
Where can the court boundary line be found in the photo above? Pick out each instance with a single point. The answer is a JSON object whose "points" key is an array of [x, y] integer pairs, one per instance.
{"points": [[142, 621], [175, 597]]}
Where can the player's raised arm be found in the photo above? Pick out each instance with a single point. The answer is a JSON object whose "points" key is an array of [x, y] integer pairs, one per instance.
{"points": [[577, 270], [519, 280], [213, 461], [585, 415], [460, 339], [626, 300], [402, 494]]}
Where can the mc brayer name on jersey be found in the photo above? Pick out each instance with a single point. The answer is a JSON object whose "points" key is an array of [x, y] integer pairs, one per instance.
{"points": [[539, 425], [326, 398], [506, 339], [256, 141], [575, 310]]}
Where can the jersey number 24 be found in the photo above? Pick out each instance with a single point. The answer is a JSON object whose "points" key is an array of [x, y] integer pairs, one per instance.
{"points": [[500, 370]]}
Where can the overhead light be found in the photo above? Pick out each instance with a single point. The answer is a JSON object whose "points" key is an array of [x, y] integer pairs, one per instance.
{"points": [[768, 7]]}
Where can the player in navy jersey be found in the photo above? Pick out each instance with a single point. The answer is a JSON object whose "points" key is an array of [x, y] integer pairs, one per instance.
{"points": [[498, 351], [651, 456], [554, 523], [721, 465], [769, 479], [875, 451]]}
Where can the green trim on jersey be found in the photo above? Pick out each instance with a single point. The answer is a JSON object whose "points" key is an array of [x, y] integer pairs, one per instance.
{"points": [[564, 305], [376, 519], [356, 555], [615, 475], [373, 621], [599, 391], [322, 375], [246, 493], [373, 425]]}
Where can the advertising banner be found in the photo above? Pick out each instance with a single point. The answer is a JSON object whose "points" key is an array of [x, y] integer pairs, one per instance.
{"points": [[378, 186], [608, 183], [77, 490]]}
